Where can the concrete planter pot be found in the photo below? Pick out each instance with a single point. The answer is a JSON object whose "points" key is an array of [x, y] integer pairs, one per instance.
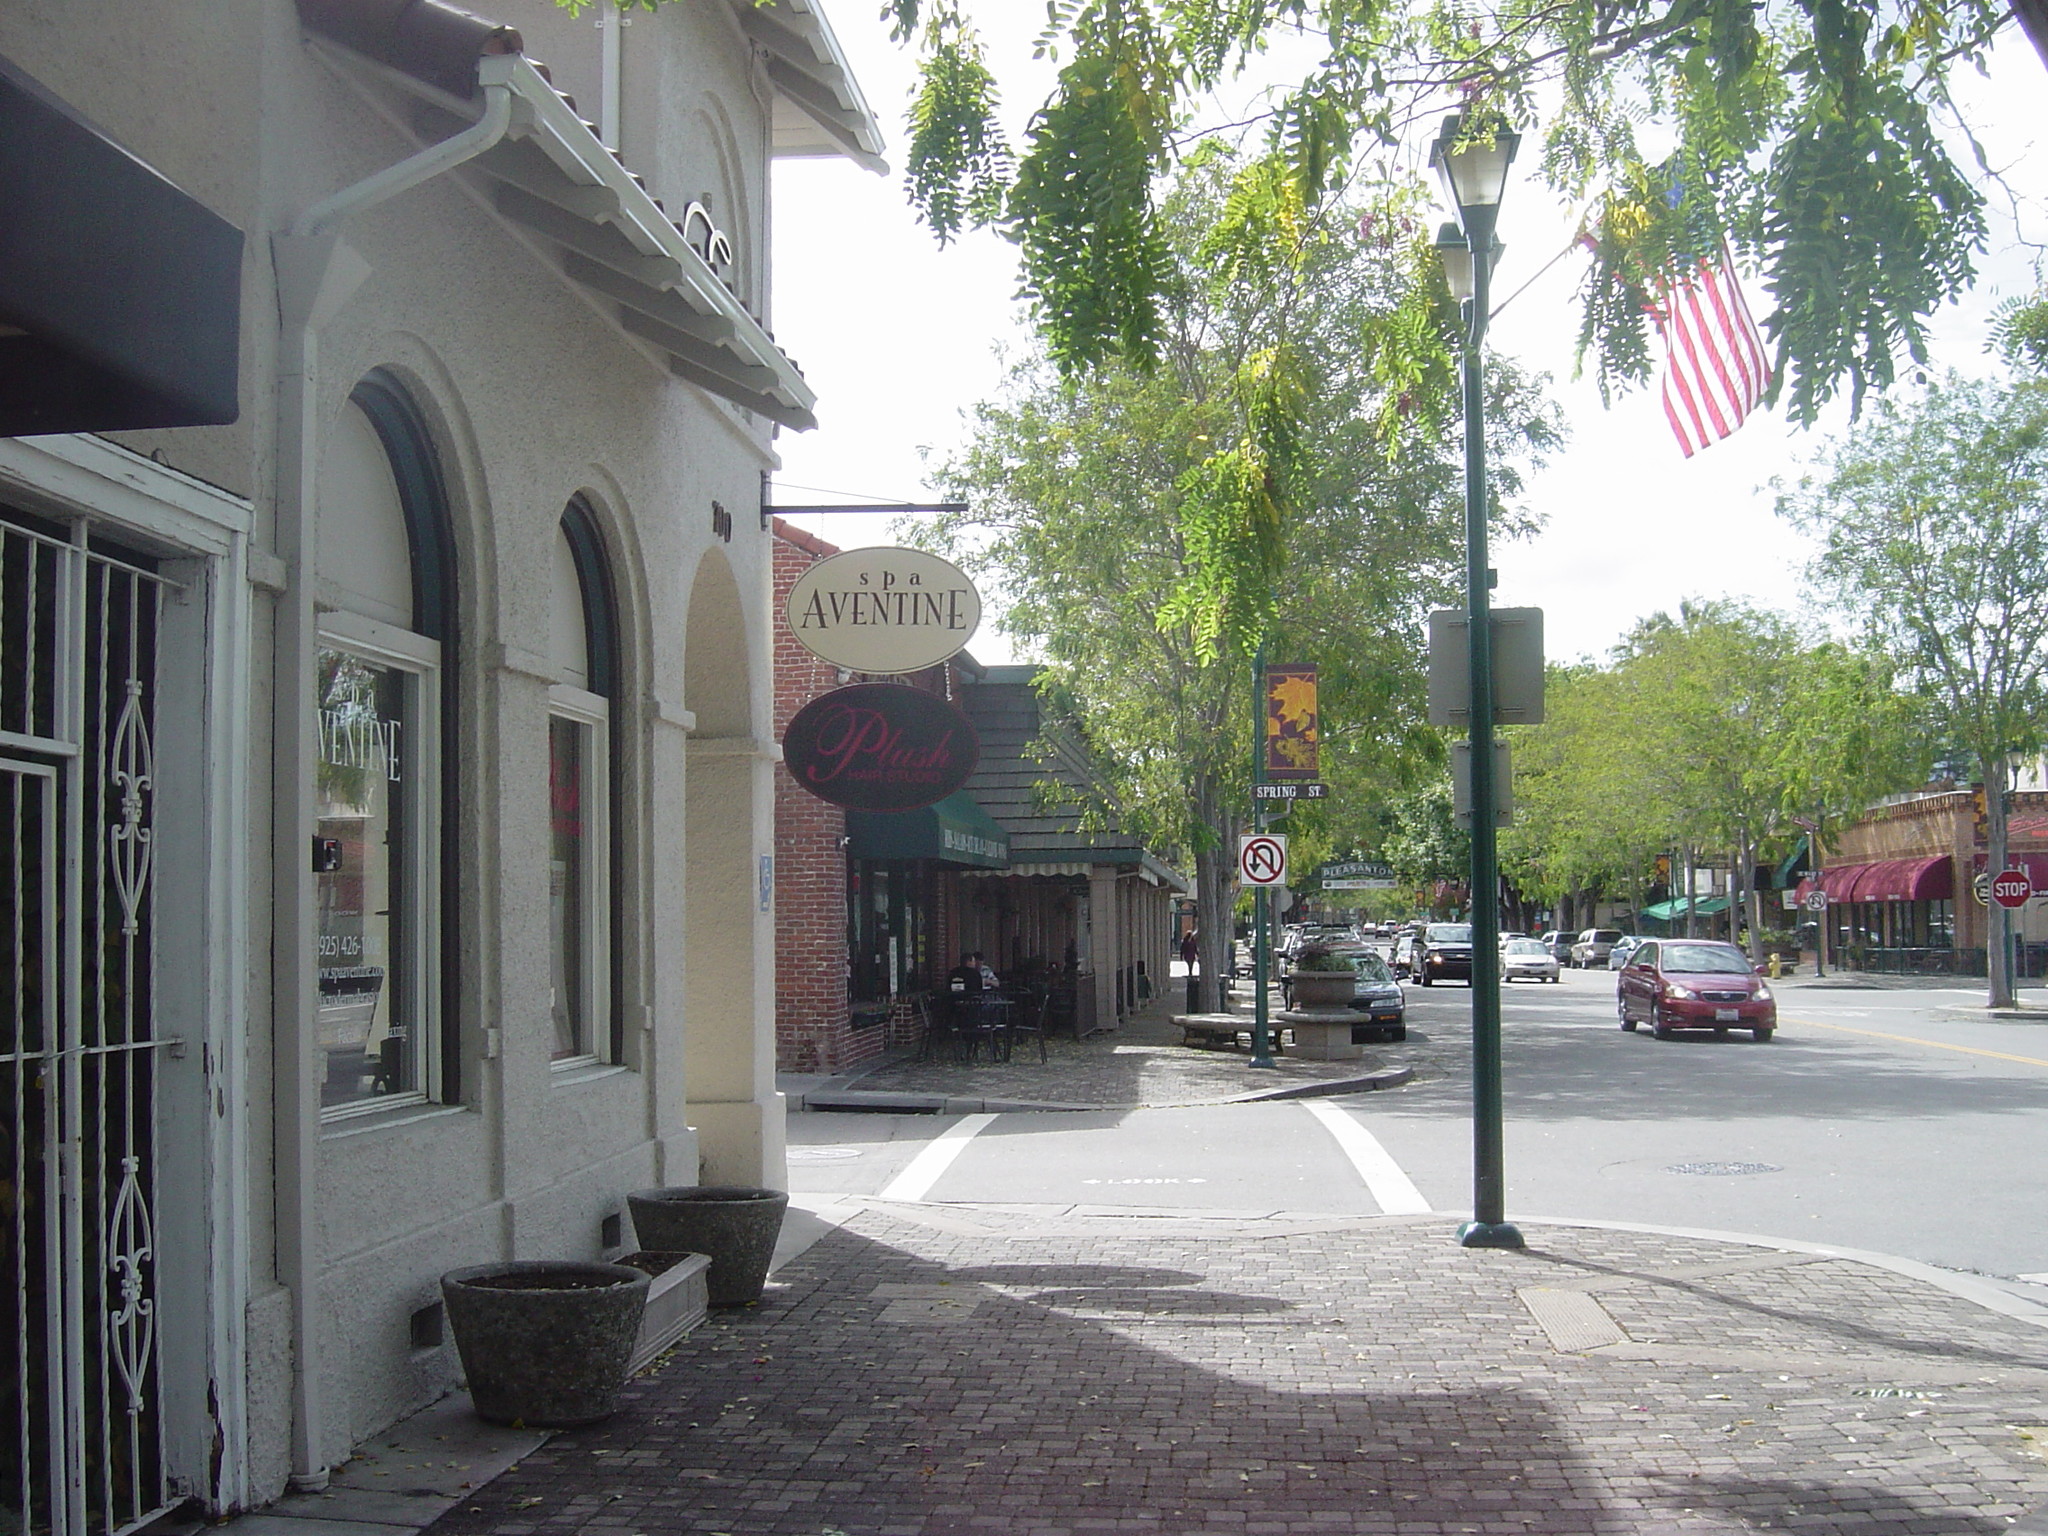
{"points": [[544, 1343], [736, 1224], [1322, 989]]}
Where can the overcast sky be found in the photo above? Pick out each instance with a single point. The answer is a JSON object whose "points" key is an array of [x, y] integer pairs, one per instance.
{"points": [[901, 338]]}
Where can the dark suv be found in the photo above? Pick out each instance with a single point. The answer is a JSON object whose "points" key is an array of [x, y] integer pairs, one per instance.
{"points": [[1444, 951]]}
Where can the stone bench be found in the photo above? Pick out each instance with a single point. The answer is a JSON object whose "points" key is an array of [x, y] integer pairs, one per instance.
{"points": [[1211, 1029]]}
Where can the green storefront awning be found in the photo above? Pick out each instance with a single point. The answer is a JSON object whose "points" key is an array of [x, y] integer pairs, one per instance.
{"points": [[1795, 863], [1671, 911], [954, 831]]}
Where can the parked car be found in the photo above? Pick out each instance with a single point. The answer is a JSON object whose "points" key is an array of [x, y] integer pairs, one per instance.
{"points": [[1617, 957], [1592, 947], [1674, 984], [1378, 997], [1444, 951], [1512, 933], [1526, 959], [1558, 942]]}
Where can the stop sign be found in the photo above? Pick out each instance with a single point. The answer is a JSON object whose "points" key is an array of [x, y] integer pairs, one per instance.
{"points": [[2012, 888]]}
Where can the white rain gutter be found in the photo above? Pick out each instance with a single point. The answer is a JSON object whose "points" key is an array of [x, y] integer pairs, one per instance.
{"points": [[316, 274]]}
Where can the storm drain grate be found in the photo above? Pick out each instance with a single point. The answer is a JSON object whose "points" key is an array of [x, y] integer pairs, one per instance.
{"points": [[1720, 1170]]}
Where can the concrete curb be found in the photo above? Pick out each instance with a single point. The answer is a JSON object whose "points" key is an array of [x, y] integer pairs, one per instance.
{"points": [[1989, 1294], [2000, 1015], [876, 1102]]}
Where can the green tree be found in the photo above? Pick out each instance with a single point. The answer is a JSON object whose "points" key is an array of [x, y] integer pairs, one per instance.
{"points": [[1587, 817], [1274, 480], [1802, 132], [1933, 528], [1706, 733], [1425, 846]]}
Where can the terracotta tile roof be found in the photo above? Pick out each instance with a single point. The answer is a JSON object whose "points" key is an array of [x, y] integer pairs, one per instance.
{"points": [[426, 39], [809, 543]]}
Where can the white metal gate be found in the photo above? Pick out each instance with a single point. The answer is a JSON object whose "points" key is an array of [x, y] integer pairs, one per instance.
{"points": [[79, 1400]]}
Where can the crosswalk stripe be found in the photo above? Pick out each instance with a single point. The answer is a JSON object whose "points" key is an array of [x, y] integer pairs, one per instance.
{"points": [[1392, 1189], [923, 1171]]}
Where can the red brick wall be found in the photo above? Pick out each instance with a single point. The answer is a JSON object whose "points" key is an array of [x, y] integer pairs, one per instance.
{"points": [[812, 1032]]}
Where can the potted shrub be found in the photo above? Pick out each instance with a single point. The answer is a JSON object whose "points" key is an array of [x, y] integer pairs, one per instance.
{"points": [[1321, 978], [544, 1343], [735, 1224]]}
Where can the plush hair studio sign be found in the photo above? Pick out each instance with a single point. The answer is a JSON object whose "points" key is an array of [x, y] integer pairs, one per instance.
{"points": [[884, 610], [880, 747]]}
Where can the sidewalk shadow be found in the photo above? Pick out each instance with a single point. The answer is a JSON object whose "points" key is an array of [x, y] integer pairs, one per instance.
{"points": [[880, 1393]]}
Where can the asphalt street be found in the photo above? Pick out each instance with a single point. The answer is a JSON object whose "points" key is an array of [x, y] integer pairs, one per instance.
{"points": [[1882, 1120]]}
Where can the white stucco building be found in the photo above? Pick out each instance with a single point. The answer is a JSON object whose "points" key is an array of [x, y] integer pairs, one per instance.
{"points": [[385, 734]]}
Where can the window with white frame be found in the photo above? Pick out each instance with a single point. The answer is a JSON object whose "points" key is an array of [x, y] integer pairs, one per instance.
{"points": [[379, 849], [580, 827], [377, 810]]}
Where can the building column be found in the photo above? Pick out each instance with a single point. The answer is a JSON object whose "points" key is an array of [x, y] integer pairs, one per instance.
{"points": [[1103, 941]]}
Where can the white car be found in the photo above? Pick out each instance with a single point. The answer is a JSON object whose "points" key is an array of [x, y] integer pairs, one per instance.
{"points": [[1617, 957], [1527, 959]]}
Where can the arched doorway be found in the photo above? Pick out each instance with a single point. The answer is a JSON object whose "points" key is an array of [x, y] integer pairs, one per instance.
{"points": [[728, 997]]}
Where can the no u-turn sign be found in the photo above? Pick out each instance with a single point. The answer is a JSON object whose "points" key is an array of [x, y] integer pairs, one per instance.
{"points": [[1262, 859]]}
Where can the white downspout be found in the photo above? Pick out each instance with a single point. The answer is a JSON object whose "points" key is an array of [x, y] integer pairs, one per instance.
{"points": [[494, 75], [611, 75], [316, 274]]}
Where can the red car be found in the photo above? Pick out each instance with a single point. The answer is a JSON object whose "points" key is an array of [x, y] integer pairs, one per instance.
{"points": [[1694, 984]]}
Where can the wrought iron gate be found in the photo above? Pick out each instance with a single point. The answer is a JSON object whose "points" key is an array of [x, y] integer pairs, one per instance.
{"points": [[79, 1399]]}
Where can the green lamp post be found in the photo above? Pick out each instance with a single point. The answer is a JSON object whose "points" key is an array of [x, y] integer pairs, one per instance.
{"points": [[1474, 167]]}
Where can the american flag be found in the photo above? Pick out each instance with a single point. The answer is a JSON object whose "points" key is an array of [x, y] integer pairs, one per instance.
{"points": [[1714, 368]]}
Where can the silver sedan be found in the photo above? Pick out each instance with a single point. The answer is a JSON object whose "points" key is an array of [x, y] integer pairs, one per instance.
{"points": [[1527, 960]]}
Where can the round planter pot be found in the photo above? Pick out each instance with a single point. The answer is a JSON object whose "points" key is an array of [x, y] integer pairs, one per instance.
{"points": [[1322, 989], [545, 1343], [736, 1224]]}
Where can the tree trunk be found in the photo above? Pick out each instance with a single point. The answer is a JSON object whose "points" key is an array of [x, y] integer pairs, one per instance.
{"points": [[1215, 878], [1752, 898], [1692, 919], [1997, 919]]}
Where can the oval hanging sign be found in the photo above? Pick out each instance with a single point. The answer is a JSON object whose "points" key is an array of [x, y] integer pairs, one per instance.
{"points": [[883, 610], [880, 747]]}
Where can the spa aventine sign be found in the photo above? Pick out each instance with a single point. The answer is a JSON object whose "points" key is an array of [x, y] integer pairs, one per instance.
{"points": [[883, 610]]}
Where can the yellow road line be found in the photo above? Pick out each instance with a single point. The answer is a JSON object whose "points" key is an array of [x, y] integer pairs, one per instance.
{"points": [[1939, 1045]]}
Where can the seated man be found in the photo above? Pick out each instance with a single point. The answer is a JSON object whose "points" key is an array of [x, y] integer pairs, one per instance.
{"points": [[988, 975], [965, 977]]}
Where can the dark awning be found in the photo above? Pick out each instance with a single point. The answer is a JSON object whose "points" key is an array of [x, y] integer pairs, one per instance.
{"points": [[954, 831], [120, 296], [1925, 879], [1795, 863]]}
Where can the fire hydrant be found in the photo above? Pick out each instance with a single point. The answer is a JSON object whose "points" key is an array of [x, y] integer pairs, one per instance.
{"points": [[1777, 965]]}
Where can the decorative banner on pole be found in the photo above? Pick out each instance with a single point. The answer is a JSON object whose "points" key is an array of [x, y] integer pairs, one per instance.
{"points": [[880, 747], [883, 610], [1294, 724]]}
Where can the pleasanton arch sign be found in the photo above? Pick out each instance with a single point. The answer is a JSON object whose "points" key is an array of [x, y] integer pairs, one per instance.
{"points": [[883, 610]]}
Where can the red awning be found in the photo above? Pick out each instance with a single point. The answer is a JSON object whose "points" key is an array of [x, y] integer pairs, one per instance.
{"points": [[1891, 880]]}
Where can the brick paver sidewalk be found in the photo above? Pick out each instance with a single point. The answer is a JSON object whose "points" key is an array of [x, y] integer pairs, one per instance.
{"points": [[932, 1369]]}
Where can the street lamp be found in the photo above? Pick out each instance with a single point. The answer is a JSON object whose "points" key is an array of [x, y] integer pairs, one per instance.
{"points": [[1474, 166]]}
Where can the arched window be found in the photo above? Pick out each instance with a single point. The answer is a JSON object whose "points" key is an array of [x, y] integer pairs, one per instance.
{"points": [[384, 587], [583, 916]]}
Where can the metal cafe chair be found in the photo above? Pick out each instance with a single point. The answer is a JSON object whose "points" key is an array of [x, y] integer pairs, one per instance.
{"points": [[1028, 1019]]}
